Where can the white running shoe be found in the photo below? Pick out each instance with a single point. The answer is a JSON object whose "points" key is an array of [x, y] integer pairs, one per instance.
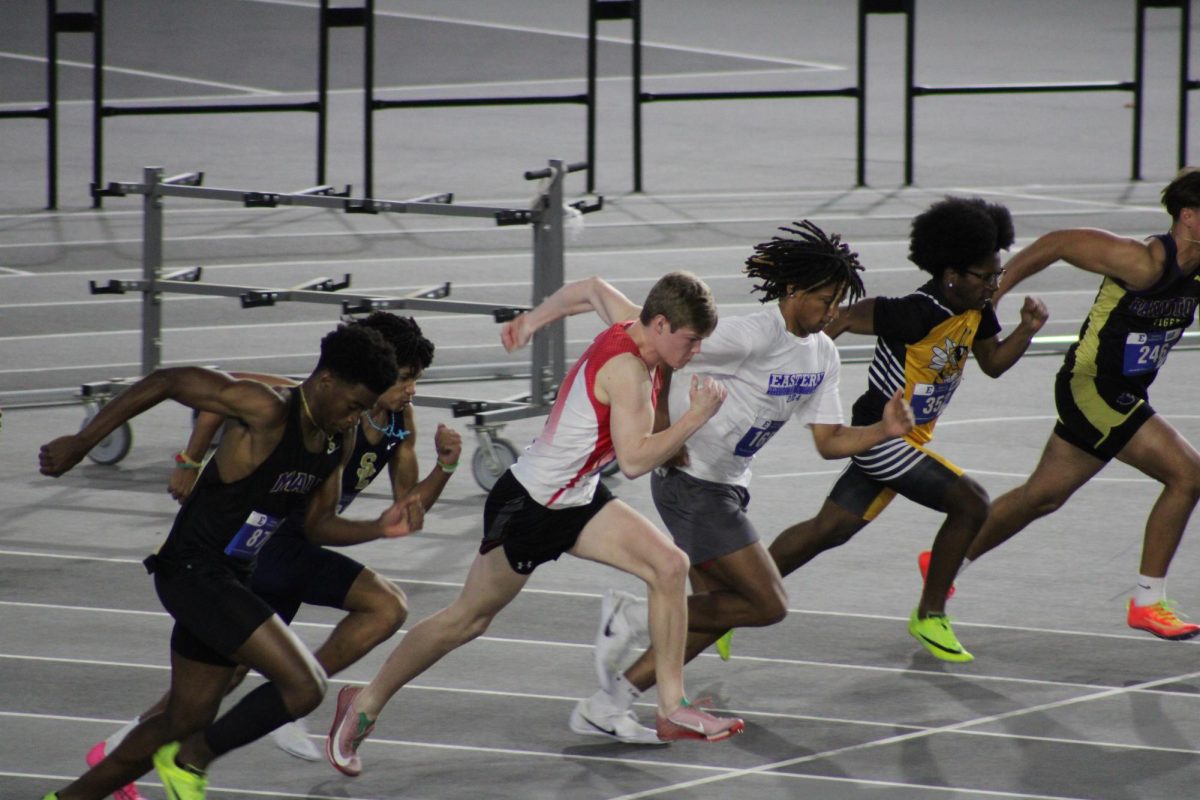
{"points": [[293, 739], [598, 715], [622, 626]]}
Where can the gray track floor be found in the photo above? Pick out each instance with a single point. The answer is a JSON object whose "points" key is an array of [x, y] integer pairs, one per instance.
{"points": [[1063, 700]]}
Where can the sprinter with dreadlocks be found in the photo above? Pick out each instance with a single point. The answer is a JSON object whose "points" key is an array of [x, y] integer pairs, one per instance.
{"points": [[922, 347], [776, 365]]}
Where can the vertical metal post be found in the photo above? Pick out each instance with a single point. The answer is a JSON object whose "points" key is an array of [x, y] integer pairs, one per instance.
{"points": [[591, 96], [1185, 32], [97, 103], [910, 44], [1139, 86], [369, 99], [322, 88], [549, 344], [861, 170], [636, 14], [51, 104], [152, 254]]}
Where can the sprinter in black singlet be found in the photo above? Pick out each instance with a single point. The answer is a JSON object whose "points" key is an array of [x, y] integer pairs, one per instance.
{"points": [[291, 568], [283, 449], [1147, 299]]}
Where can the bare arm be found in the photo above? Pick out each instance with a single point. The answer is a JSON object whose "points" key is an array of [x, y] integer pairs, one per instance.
{"points": [[589, 294], [662, 418], [204, 430], [842, 441], [995, 356], [259, 408], [1090, 249], [858, 318], [183, 477], [404, 469], [624, 384], [323, 525]]}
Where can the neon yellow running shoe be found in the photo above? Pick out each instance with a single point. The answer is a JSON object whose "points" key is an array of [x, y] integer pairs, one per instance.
{"points": [[725, 645], [935, 633], [181, 783]]}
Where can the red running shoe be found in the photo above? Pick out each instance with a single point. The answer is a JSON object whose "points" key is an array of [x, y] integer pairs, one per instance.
{"points": [[689, 722], [923, 565], [1161, 620]]}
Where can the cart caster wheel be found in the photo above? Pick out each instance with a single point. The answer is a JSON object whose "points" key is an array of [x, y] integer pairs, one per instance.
{"points": [[112, 448], [486, 469]]}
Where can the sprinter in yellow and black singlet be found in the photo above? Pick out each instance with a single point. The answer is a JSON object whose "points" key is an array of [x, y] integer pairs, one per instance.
{"points": [[923, 343], [1147, 299]]}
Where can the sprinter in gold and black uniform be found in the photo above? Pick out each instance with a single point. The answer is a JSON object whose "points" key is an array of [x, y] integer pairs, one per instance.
{"points": [[923, 343], [1147, 299], [283, 448]]}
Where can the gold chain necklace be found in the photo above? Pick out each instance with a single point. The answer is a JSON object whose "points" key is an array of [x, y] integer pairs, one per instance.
{"points": [[330, 445]]}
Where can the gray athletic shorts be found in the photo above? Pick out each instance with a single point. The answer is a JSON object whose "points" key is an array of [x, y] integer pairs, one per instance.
{"points": [[706, 519]]}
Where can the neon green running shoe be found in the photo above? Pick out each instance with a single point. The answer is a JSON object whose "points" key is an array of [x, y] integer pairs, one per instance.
{"points": [[935, 633], [181, 783], [725, 645], [51, 796]]}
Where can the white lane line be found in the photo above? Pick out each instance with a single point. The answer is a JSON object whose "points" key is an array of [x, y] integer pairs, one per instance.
{"points": [[143, 74], [1139, 638], [505, 693], [908, 737], [575, 35]]}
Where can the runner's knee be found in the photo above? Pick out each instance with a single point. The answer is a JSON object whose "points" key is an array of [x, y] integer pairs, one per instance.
{"points": [[969, 502], [389, 607], [1043, 501], [772, 607], [670, 566], [302, 694]]}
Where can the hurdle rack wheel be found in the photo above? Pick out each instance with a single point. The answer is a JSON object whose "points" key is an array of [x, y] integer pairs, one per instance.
{"points": [[492, 457], [112, 448]]}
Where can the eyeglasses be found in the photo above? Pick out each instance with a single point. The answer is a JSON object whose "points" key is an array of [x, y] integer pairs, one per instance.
{"points": [[989, 278]]}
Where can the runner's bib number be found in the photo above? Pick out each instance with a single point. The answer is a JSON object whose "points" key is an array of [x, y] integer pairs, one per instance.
{"points": [[756, 437], [253, 534], [929, 400], [1147, 352]]}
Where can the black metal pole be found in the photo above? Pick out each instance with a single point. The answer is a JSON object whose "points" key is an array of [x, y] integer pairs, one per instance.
{"points": [[1139, 58], [1185, 32], [322, 88], [861, 154], [97, 103], [591, 96], [51, 104], [910, 40], [637, 95], [369, 99]]}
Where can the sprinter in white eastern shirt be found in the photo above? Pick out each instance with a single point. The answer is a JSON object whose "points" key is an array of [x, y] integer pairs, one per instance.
{"points": [[776, 365]]}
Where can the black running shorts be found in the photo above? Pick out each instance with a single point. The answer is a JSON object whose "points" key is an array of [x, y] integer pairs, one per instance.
{"points": [[292, 570], [924, 479], [531, 533], [215, 612]]}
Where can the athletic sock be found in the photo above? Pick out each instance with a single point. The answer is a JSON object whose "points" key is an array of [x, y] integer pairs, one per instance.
{"points": [[624, 693], [1149, 590], [256, 715], [112, 742]]}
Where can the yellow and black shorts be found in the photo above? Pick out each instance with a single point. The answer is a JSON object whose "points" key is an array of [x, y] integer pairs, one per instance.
{"points": [[894, 467], [1099, 415]]}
